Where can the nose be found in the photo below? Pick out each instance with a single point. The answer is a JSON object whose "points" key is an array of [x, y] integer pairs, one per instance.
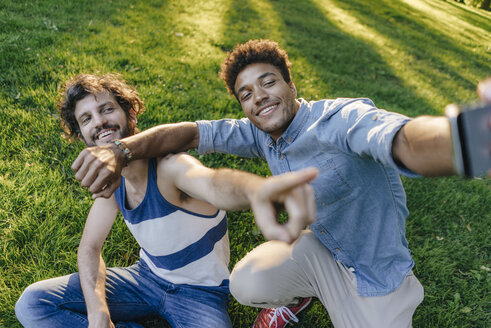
{"points": [[99, 120], [259, 96]]}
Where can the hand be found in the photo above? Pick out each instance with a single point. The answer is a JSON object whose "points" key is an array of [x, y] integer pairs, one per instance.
{"points": [[484, 90], [484, 93], [292, 190], [99, 169]]}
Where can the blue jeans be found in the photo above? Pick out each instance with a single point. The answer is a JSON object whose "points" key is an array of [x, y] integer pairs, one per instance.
{"points": [[133, 293]]}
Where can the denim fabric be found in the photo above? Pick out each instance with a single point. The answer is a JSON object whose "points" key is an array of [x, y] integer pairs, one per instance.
{"points": [[361, 203], [133, 293]]}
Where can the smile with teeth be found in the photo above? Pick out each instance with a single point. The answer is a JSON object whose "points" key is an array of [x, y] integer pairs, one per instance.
{"points": [[267, 110], [105, 134]]}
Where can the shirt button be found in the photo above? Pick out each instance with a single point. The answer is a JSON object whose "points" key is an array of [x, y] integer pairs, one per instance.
{"points": [[289, 139], [282, 156], [337, 249], [323, 232]]}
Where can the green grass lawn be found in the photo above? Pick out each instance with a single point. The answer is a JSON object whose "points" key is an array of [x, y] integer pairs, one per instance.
{"points": [[412, 56]]}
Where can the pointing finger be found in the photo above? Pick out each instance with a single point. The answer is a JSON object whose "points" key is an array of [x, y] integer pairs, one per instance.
{"points": [[288, 181]]}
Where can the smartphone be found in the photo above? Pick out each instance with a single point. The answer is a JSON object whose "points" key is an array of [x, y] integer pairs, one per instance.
{"points": [[471, 137]]}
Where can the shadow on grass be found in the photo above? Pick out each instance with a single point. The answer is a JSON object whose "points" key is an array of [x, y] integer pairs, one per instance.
{"points": [[243, 23], [349, 66], [31, 29], [404, 27], [479, 18]]}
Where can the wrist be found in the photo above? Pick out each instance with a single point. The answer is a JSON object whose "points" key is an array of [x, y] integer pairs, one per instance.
{"points": [[253, 186], [101, 315], [123, 153]]}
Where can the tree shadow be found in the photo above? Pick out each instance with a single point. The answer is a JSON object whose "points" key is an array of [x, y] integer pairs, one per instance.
{"points": [[480, 18], [344, 66], [398, 22], [31, 30], [240, 19]]}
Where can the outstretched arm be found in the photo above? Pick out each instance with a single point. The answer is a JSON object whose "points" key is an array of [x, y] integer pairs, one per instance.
{"points": [[99, 168], [424, 145], [236, 190], [91, 266]]}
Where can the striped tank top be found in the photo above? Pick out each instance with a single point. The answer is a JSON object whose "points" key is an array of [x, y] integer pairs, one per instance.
{"points": [[178, 245]]}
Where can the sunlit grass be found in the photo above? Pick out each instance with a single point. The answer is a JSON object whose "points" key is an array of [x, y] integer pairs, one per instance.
{"points": [[418, 70]]}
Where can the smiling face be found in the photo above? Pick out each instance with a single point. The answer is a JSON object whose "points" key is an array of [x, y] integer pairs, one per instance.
{"points": [[267, 100], [100, 119]]}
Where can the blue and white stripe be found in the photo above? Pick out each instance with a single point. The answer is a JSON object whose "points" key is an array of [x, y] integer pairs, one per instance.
{"points": [[178, 245]]}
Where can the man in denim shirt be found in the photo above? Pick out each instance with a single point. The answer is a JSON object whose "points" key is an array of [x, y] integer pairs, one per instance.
{"points": [[355, 257]]}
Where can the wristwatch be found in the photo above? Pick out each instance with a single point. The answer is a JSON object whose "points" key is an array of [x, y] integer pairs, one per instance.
{"points": [[126, 151]]}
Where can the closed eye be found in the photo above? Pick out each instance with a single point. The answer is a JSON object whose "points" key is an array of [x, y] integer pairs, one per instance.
{"points": [[245, 96]]}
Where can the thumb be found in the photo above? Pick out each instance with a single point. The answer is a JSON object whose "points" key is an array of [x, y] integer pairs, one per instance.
{"points": [[265, 216], [484, 90]]}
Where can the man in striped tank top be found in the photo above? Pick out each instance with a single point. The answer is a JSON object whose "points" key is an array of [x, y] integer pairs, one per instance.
{"points": [[173, 206]]}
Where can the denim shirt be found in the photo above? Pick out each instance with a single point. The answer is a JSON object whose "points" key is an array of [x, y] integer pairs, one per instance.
{"points": [[361, 203]]}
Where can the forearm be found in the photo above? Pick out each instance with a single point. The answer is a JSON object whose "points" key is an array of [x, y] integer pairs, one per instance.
{"points": [[92, 272], [233, 189], [424, 145], [237, 190], [163, 139]]}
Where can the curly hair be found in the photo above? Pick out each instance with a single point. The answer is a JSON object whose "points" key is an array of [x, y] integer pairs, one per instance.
{"points": [[84, 84], [254, 51]]}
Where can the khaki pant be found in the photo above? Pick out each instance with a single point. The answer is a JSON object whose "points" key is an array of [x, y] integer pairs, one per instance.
{"points": [[276, 274]]}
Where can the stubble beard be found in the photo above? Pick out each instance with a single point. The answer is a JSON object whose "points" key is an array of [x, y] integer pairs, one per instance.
{"points": [[125, 132]]}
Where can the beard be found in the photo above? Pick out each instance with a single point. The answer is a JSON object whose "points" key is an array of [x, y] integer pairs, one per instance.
{"points": [[124, 132]]}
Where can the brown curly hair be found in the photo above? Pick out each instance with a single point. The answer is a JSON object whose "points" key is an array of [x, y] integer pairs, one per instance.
{"points": [[84, 84], [254, 51]]}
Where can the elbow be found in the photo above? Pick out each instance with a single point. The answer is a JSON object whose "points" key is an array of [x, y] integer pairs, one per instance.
{"points": [[401, 149], [86, 251]]}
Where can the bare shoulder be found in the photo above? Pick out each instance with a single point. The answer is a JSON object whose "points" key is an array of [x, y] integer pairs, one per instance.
{"points": [[182, 181], [179, 161], [172, 168]]}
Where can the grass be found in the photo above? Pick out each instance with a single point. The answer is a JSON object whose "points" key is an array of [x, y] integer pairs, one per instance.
{"points": [[412, 57]]}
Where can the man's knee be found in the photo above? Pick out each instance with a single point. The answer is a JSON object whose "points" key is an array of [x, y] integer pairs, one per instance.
{"points": [[28, 304], [248, 287]]}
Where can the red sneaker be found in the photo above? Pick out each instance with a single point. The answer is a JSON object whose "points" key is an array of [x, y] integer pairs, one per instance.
{"points": [[280, 317]]}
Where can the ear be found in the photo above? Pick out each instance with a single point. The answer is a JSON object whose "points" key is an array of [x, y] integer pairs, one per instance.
{"points": [[132, 116], [293, 89]]}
